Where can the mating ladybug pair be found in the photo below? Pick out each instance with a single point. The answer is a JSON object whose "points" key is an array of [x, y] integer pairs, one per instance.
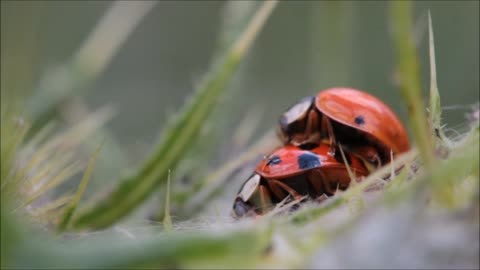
{"points": [[310, 164]]}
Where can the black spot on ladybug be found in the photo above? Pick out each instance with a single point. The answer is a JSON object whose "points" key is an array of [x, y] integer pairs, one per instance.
{"points": [[308, 161], [359, 120], [274, 160]]}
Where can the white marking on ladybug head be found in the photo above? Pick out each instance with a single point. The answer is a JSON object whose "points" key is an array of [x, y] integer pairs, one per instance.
{"points": [[297, 111], [249, 187]]}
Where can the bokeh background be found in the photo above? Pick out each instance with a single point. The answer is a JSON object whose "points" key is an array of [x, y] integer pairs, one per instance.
{"points": [[305, 46], [48, 56]]}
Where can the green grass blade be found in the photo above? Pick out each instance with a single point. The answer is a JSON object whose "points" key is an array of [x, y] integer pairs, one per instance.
{"points": [[178, 137], [167, 220], [409, 71], [53, 182], [435, 111], [54, 205], [81, 189]]}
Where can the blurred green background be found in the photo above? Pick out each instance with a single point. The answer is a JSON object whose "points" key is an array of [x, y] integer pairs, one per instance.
{"points": [[305, 46]]}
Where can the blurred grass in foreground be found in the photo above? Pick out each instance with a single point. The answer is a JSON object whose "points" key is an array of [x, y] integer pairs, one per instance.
{"points": [[399, 223]]}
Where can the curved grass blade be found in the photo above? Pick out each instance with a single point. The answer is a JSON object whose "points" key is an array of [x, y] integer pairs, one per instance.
{"points": [[60, 177], [409, 71], [197, 161], [179, 135], [54, 205], [81, 189]]}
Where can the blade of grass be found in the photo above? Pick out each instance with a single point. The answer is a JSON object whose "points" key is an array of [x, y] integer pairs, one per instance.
{"points": [[207, 148], [435, 111], [44, 170], [167, 220], [408, 69], [81, 189], [347, 166], [178, 136], [355, 203], [53, 205], [53, 182]]}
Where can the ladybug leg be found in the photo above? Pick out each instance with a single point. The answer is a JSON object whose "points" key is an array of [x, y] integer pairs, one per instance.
{"points": [[323, 187], [316, 180], [311, 126], [276, 190], [281, 190], [265, 199], [327, 125], [368, 155], [332, 186]]}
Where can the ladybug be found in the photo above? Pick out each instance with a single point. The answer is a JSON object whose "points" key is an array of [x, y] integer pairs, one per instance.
{"points": [[295, 172], [364, 124]]}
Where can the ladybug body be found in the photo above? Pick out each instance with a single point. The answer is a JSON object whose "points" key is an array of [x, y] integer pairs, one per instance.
{"points": [[365, 125], [296, 172]]}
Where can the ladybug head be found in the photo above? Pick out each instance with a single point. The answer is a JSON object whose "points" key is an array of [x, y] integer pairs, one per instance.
{"points": [[242, 209], [242, 205], [294, 122]]}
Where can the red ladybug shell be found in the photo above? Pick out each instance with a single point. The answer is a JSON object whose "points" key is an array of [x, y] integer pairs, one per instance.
{"points": [[364, 112], [291, 160]]}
